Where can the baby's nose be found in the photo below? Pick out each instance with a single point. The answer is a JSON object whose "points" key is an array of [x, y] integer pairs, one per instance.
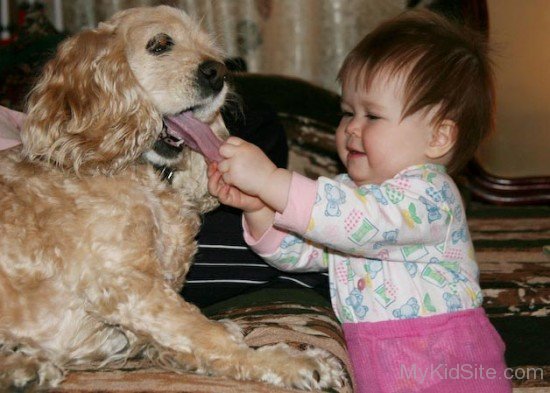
{"points": [[353, 130]]}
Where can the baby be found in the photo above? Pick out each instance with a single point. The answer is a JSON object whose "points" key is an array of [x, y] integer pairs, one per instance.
{"points": [[417, 98]]}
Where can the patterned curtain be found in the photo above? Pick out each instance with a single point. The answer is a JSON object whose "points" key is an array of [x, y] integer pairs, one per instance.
{"points": [[302, 38]]}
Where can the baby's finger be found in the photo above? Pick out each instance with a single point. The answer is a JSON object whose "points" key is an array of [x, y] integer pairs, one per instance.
{"points": [[224, 166], [227, 150], [233, 140], [213, 187], [225, 195], [226, 177], [215, 183]]}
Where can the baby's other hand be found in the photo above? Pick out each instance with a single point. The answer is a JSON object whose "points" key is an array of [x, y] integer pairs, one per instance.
{"points": [[230, 195]]}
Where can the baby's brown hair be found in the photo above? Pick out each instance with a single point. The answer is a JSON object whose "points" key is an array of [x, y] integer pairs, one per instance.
{"points": [[445, 65]]}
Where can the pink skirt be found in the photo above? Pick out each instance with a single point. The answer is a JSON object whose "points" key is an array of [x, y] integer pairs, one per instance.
{"points": [[447, 353]]}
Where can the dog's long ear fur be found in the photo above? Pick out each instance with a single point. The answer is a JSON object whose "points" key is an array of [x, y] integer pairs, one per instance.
{"points": [[87, 112]]}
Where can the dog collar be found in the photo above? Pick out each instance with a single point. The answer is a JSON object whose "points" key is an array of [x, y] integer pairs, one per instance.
{"points": [[166, 173]]}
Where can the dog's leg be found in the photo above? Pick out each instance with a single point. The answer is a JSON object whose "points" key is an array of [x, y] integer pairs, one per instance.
{"points": [[23, 365], [207, 346]]}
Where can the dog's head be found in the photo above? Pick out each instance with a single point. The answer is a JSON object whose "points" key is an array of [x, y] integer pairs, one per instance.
{"points": [[107, 95]]}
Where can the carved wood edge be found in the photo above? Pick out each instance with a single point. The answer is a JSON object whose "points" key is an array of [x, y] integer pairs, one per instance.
{"points": [[483, 185], [489, 188]]}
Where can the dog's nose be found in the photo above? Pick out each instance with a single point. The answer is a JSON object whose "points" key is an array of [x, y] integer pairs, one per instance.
{"points": [[212, 74]]}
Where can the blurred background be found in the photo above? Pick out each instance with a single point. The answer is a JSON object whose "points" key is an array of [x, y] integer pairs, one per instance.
{"points": [[308, 39]]}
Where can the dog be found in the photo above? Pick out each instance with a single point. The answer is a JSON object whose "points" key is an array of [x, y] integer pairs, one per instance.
{"points": [[100, 208]]}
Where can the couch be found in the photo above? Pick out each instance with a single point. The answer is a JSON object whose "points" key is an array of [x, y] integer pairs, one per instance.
{"points": [[512, 245]]}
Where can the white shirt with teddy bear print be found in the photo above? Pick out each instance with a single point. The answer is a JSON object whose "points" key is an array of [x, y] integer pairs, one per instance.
{"points": [[394, 251]]}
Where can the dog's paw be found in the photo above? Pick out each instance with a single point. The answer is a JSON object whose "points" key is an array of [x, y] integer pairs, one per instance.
{"points": [[310, 369], [329, 368], [49, 374], [20, 372], [234, 330]]}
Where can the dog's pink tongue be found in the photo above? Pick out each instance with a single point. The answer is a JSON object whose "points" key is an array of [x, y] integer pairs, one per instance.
{"points": [[197, 135]]}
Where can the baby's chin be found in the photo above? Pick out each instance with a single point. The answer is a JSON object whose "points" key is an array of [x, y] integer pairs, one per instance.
{"points": [[364, 178]]}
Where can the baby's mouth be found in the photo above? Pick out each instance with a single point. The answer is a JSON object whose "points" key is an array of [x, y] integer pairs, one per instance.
{"points": [[355, 153]]}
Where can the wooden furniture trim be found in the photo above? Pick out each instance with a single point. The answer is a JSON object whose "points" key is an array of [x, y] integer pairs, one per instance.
{"points": [[506, 191], [483, 185]]}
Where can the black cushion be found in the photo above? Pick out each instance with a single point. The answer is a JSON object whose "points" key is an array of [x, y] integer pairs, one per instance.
{"points": [[224, 266]]}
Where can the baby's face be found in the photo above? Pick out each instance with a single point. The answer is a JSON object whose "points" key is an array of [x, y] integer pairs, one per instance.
{"points": [[372, 140]]}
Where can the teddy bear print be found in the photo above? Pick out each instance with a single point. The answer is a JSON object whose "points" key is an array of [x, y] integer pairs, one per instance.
{"points": [[433, 211], [377, 193], [335, 197], [290, 241], [460, 235], [453, 302], [372, 267], [408, 310], [390, 237], [354, 300], [412, 268], [443, 195]]}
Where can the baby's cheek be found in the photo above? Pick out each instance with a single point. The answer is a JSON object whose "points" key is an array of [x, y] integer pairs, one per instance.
{"points": [[341, 148]]}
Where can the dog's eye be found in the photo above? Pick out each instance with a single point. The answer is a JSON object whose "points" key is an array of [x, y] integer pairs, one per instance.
{"points": [[161, 43]]}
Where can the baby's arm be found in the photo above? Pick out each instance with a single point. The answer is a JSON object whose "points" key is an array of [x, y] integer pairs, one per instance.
{"points": [[374, 222], [286, 251], [250, 172]]}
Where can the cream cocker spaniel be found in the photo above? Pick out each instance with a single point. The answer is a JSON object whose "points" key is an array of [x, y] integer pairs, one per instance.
{"points": [[101, 205]]}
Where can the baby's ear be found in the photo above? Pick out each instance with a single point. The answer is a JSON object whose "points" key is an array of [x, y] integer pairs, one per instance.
{"points": [[442, 140]]}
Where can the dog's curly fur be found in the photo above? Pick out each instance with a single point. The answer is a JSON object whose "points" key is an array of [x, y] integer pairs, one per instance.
{"points": [[94, 246]]}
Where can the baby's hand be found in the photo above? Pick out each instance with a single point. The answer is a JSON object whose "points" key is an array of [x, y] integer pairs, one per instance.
{"points": [[245, 166], [229, 195]]}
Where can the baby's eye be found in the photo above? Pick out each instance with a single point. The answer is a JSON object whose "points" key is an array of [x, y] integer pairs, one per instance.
{"points": [[346, 114], [371, 116]]}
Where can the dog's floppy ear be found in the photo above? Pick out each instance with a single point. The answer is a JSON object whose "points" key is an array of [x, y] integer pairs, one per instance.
{"points": [[87, 111]]}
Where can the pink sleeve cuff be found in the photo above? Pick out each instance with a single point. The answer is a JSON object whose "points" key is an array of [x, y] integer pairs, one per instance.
{"points": [[301, 198], [267, 244]]}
